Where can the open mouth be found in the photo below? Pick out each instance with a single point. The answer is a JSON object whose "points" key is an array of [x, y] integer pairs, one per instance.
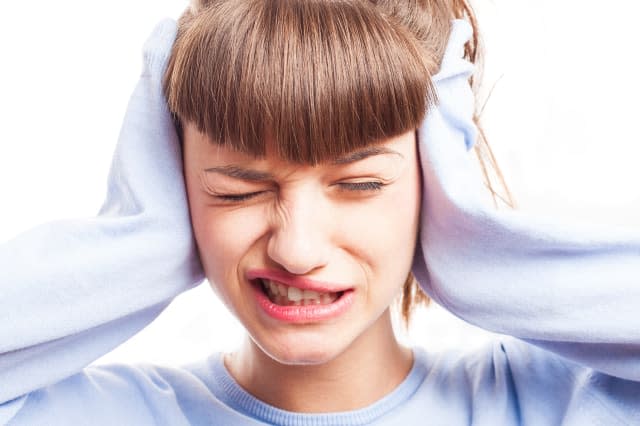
{"points": [[308, 302], [284, 295]]}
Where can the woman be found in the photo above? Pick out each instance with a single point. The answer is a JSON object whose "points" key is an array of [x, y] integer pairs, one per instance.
{"points": [[321, 167]]}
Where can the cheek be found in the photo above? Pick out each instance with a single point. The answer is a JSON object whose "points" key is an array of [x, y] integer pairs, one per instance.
{"points": [[224, 238], [386, 228], [383, 237]]}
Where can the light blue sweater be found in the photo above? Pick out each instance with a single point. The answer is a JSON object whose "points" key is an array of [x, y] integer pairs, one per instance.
{"points": [[70, 291]]}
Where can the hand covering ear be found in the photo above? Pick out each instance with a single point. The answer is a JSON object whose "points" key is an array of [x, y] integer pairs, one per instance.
{"points": [[570, 288], [73, 290]]}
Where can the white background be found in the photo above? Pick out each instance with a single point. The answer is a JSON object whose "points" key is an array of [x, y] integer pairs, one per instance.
{"points": [[562, 119]]}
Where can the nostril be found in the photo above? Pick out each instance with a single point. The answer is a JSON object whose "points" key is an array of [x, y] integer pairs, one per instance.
{"points": [[298, 249]]}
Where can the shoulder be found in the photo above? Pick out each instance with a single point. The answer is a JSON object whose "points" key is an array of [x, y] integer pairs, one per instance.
{"points": [[140, 394], [509, 380]]}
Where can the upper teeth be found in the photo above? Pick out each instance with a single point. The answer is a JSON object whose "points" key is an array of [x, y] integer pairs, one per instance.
{"points": [[292, 293], [276, 288]]}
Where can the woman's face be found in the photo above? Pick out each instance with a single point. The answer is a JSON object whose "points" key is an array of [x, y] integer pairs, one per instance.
{"points": [[308, 258]]}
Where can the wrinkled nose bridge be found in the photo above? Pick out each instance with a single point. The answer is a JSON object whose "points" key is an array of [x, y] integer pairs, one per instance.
{"points": [[298, 239]]}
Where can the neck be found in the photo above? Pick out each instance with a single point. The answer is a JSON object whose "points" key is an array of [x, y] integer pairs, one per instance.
{"points": [[370, 368]]}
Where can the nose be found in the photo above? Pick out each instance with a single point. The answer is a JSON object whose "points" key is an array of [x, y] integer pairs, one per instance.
{"points": [[300, 236]]}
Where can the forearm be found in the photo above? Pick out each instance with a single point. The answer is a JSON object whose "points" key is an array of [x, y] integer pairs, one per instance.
{"points": [[72, 291], [568, 290]]}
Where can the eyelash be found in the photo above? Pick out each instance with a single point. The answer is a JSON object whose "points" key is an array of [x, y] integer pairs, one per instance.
{"points": [[237, 197], [346, 186], [361, 186]]}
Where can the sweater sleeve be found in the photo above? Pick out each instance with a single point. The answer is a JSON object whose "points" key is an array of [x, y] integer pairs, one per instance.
{"points": [[570, 288], [73, 290]]}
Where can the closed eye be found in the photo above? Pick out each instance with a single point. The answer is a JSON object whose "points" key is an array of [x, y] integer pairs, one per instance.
{"points": [[361, 186], [369, 186], [237, 197]]}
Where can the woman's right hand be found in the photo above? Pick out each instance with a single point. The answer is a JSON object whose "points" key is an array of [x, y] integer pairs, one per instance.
{"points": [[73, 290]]}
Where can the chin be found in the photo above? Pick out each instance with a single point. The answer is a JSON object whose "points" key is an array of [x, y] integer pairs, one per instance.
{"points": [[302, 348]]}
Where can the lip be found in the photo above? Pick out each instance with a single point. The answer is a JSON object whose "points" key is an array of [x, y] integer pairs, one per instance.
{"points": [[303, 314], [295, 281], [300, 314]]}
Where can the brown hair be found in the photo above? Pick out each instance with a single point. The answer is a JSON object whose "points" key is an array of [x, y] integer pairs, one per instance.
{"points": [[320, 77]]}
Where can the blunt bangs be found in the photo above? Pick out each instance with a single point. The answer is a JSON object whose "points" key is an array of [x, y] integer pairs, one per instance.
{"points": [[315, 78]]}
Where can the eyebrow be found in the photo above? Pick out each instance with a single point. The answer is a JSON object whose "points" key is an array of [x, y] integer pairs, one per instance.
{"points": [[361, 154], [238, 172], [241, 173]]}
